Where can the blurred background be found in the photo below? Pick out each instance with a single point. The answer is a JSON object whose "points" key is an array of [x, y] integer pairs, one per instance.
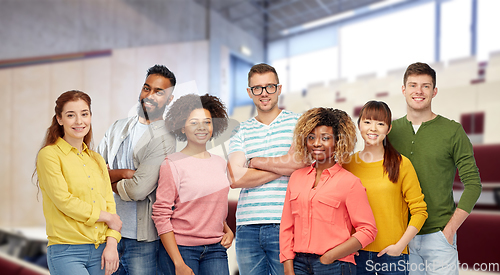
{"points": [[331, 53]]}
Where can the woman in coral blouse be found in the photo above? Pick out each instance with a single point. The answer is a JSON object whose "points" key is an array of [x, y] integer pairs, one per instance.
{"points": [[191, 201], [324, 203], [78, 204], [393, 189]]}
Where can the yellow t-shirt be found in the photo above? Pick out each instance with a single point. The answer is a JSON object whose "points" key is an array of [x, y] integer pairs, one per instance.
{"points": [[75, 188], [390, 201]]}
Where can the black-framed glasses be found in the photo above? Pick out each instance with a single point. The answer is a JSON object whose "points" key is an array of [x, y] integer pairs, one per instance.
{"points": [[270, 89]]}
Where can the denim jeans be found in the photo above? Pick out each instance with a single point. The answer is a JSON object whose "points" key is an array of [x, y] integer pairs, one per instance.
{"points": [[309, 264], [258, 249], [137, 258], [367, 263], [75, 259], [202, 259], [432, 254]]}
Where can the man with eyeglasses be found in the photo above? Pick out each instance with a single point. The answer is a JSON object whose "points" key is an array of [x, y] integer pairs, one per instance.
{"points": [[260, 162]]}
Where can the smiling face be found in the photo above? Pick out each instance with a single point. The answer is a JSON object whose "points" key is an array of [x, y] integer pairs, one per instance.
{"points": [[264, 102], [373, 131], [198, 127], [418, 92], [155, 95], [321, 144], [75, 119]]}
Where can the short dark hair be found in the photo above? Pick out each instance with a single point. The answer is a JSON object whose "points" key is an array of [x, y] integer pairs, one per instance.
{"points": [[262, 68], [182, 108], [420, 69], [163, 71]]}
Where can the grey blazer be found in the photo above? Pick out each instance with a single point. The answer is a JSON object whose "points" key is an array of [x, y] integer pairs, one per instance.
{"points": [[149, 153]]}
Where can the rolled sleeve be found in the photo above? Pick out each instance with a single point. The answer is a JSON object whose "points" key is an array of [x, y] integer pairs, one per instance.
{"points": [[145, 178], [361, 214], [113, 233]]}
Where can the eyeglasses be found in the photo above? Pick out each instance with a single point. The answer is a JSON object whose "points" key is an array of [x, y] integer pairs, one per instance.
{"points": [[270, 89]]}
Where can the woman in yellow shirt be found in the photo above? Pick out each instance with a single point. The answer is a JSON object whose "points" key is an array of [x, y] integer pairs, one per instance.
{"points": [[393, 189], [81, 222]]}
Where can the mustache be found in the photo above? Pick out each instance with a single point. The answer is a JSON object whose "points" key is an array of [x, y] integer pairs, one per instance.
{"points": [[144, 100]]}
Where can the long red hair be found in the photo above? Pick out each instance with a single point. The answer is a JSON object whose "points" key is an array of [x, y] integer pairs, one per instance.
{"points": [[55, 130]]}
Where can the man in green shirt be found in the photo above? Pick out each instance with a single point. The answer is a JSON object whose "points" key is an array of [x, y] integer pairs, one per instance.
{"points": [[436, 146]]}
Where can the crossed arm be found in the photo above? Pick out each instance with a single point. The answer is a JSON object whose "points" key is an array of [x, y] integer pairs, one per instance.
{"points": [[261, 170]]}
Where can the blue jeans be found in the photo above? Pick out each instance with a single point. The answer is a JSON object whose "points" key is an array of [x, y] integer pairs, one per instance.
{"points": [[75, 259], [309, 264], [367, 263], [432, 254], [137, 258], [258, 249], [202, 259]]}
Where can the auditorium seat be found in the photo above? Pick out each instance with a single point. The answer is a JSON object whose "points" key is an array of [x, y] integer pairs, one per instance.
{"points": [[487, 161], [10, 265], [459, 72], [231, 215], [478, 235], [320, 96], [295, 102], [478, 239], [493, 67]]}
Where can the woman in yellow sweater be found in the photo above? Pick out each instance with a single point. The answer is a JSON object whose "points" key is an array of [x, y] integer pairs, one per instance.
{"points": [[78, 205], [393, 189]]}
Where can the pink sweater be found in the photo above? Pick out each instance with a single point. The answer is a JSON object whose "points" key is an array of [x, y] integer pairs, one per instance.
{"points": [[191, 199]]}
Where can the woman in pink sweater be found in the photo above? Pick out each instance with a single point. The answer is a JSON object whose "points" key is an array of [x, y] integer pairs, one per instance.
{"points": [[191, 201], [324, 203]]}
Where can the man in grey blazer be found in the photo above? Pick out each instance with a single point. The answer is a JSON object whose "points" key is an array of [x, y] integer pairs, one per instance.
{"points": [[134, 149]]}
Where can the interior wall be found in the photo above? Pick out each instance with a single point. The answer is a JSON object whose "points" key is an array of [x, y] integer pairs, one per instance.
{"points": [[113, 82], [50, 27]]}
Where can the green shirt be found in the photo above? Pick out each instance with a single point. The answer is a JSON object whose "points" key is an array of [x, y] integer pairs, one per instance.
{"points": [[439, 147]]}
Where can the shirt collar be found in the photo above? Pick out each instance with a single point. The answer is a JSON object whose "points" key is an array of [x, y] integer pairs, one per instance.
{"points": [[331, 171], [66, 147]]}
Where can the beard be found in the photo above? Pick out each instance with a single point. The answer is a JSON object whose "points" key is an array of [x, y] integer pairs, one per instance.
{"points": [[156, 113]]}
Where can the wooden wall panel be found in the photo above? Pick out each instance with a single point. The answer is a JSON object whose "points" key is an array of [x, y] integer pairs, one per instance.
{"points": [[6, 202], [32, 111]]}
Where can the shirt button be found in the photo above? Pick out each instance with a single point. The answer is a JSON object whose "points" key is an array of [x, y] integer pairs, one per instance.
{"points": [[411, 153], [412, 142], [89, 176], [91, 188], [84, 165], [96, 227], [94, 201]]}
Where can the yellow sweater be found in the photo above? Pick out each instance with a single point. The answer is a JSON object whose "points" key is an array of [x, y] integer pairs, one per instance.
{"points": [[390, 201]]}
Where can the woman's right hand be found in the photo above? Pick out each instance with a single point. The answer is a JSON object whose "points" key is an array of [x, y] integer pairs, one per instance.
{"points": [[183, 270], [112, 220]]}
